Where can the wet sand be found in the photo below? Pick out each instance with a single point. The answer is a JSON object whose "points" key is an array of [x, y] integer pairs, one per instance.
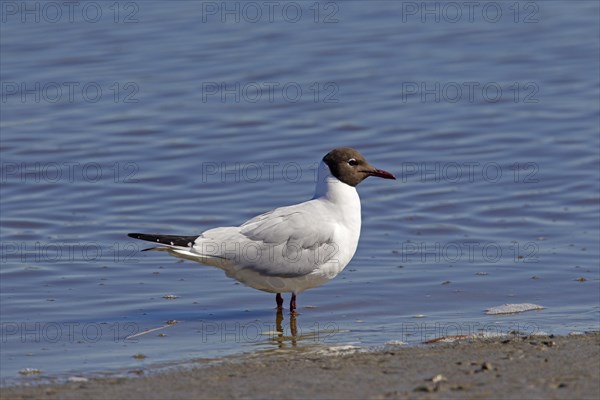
{"points": [[533, 367]]}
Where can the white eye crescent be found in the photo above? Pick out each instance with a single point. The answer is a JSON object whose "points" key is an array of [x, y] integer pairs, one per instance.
{"points": [[352, 162]]}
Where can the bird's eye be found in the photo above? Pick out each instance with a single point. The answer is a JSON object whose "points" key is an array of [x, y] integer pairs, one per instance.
{"points": [[352, 162]]}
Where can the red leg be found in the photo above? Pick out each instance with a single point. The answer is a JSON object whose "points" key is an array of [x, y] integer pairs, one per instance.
{"points": [[293, 303], [279, 301]]}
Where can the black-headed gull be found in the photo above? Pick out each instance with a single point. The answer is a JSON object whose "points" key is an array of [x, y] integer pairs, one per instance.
{"points": [[288, 249]]}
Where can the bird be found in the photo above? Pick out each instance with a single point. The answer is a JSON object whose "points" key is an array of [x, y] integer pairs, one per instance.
{"points": [[292, 248]]}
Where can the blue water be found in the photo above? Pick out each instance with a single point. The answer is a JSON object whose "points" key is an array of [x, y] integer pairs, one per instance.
{"points": [[141, 116]]}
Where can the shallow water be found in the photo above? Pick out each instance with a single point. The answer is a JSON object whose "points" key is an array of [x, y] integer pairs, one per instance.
{"points": [[169, 120]]}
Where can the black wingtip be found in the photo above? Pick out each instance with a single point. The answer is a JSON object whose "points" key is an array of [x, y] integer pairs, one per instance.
{"points": [[168, 240]]}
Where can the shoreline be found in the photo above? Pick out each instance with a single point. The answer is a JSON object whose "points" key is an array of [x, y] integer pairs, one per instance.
{"points": [[535, 367]]}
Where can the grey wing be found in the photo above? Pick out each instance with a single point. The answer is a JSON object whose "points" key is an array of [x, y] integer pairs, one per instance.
{"points": [[291, 241]]}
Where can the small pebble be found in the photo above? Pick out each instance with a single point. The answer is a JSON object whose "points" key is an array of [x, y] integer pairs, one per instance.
{"points": [[486, 366]]}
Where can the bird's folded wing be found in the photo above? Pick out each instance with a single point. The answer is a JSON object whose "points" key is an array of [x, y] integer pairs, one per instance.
{"points": [[286, 242]]}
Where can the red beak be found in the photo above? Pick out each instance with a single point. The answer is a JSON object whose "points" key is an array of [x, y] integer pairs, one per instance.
{"points": [[381, 174]]}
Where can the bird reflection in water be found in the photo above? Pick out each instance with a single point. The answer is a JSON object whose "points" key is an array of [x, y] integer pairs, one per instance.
{"points": [[280, 338]]}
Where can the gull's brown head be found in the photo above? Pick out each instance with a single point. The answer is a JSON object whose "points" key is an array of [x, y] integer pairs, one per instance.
{"points": [[350, 167]]}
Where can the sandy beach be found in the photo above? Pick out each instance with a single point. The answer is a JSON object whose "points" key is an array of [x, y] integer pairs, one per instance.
{"points": [[533, 367]]}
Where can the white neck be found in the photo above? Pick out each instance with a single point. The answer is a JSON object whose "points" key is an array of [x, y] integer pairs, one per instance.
{"points": [[344, 204], [334, 190]]}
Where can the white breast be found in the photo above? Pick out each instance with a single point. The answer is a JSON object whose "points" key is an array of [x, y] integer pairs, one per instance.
{"points": [[341, 200]]}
